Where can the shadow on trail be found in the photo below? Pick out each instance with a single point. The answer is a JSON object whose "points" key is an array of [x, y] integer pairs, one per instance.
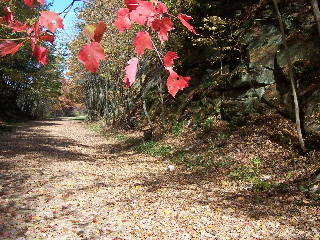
{"points": [[31, 139], [24, 151], [270, 205]]}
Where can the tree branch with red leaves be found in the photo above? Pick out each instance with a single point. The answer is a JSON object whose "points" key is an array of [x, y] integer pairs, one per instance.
{"points": [[153, 16]]}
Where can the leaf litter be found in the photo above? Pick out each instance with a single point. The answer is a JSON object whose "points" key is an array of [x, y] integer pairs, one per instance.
{"points": [[60, 180]]}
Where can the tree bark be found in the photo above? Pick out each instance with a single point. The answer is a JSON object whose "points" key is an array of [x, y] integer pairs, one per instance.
{"points": [[160, 88], [316, 12], [293, 85], [145, 110]]}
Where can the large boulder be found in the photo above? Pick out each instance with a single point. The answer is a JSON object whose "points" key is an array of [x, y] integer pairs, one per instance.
{"points": [[249, 81], [237, 104], [262, 45], [258, 74], [282, 101]]}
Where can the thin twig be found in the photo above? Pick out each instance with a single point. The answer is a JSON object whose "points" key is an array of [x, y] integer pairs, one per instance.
{"points": [[68, 9], [158, 53]]}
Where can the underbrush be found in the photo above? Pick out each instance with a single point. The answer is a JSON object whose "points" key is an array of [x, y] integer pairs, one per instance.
{"points": [[97, 126], [154, 149]]}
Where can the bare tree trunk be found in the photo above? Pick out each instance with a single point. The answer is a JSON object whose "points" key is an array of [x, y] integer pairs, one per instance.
{"points": [[106, 110], [145, 110], [148, 132], [293, 86], [160, 88], [316, 12]]}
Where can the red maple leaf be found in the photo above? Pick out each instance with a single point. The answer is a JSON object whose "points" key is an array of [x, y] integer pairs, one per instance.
{"points": [[123, 21], [51, 21], [90, 55], [17, 26], [34, 31], [162, 25], [132, 4], [48, 37], [41, 54], [184, 20], [145, 12], [95, 32], [142, 42], [101, 28], [9, 47], [131, 72], [176, 82], [30, 3], [89, 31], [168, 59], [9, 16], [161, 8]]}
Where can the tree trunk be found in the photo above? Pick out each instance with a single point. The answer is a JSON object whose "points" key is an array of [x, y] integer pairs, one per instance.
{"points": [[316, 12], [160, 88], [293, 85], [147, 135], [145, 110]]}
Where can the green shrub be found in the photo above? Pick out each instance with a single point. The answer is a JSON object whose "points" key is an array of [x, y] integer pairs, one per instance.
{"points": [[153, 149]]}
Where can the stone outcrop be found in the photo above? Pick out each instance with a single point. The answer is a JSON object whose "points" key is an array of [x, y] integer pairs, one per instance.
{"points": [[260, 81]]}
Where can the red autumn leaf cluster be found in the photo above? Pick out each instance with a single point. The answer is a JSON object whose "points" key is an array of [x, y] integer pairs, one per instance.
{"points": [[42, 30], [154, 15], [151, 14]]}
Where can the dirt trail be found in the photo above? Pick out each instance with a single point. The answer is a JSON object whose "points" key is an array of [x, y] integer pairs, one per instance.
{"points": [[60, 180]]}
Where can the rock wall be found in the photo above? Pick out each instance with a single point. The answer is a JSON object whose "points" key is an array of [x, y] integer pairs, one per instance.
{"points": [[260, 81]]}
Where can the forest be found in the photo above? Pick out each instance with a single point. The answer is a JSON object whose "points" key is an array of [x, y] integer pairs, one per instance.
{"points": [[221, 94]]}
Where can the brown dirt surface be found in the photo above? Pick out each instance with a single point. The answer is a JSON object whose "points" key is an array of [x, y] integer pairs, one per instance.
{"points": [[61, 180]]}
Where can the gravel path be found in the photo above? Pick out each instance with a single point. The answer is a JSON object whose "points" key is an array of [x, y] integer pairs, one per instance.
{"points": [[60, 180]]}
